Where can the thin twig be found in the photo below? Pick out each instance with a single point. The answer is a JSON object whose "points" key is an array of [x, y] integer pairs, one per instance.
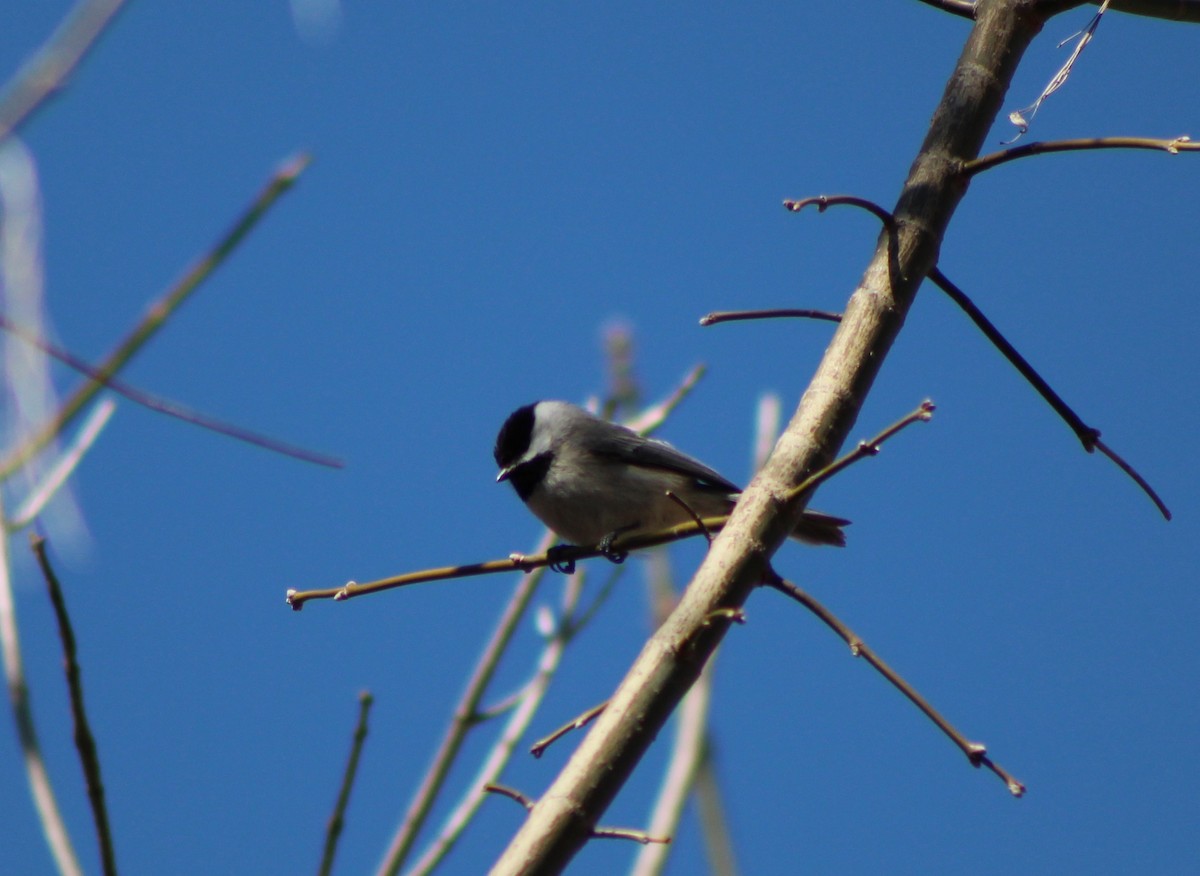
{"points": [[599, 832], [46, 71], [557, 637], [976, 753], [824, 202], [1173, 146], [158, 313], [465, 713], [1088, 436], [49, 816], [691, 512], [625, 833], [650, 420], [539, 748], [165, 405], [511, 794], [62, 469], [85, 742], [719, 316], [922, 414], [337, 819]]}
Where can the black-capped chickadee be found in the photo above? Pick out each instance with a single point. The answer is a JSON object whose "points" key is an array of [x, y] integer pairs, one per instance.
{"points": [[590, 480]]}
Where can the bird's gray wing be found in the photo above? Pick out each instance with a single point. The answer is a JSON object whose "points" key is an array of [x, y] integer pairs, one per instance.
{"points": [[631, 448]]}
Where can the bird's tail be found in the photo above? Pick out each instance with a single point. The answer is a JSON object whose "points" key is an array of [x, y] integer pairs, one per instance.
{"points": [[817, 528]]}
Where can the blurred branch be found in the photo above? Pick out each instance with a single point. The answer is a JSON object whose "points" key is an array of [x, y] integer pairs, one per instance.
{"points": [[165, 405], [651, 419], [337, 820], [976, 753], [49, 816], [714, 826], [37, 499], [1174, 146], [465, 717], [557, 636], [158, 313], [85, 742], [688, 744], [44, 74]]}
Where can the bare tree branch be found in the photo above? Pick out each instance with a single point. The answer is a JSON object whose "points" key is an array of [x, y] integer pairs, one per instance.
{"points": [[158, 313], [1174, 146], [337, 819], [561, 821], [46, 71], [85, 742], [976, 753]]}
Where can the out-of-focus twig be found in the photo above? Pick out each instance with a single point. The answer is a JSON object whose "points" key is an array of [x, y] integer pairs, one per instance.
{"points": [[85, 742], [158, 313], [558, 636], [29, 509], [337, 819], [464, 718], [53, 826], [166, 405], [44, 73]]}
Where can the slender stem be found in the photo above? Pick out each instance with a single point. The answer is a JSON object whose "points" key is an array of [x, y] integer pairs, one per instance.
{"points": [[719, 316], [158, 313], [85, 742], [539, 748], [1174, 146], [975, 752], [337, 820], [1088, 436], [922, 414], [166, 405]]}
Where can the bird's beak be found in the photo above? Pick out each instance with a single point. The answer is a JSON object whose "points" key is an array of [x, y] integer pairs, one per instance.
{"points": [[504, 473]]}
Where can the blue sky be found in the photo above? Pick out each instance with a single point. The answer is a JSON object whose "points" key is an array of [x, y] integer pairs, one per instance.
{"points": [[493, 186]]}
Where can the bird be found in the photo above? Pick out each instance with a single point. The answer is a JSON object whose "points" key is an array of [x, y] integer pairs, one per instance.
{"points": [[591, 480]]}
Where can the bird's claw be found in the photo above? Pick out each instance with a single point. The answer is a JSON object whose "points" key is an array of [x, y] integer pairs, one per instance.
{"points": [[559, 563], [606, 548]]}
